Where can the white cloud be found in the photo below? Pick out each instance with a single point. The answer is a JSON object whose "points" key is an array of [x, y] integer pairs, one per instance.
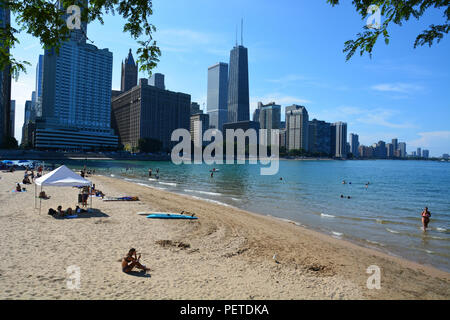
{"points": [[438, 142], [397, 87]]}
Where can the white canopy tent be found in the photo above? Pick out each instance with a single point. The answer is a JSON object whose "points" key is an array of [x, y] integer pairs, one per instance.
{"points": [[60, 177]]}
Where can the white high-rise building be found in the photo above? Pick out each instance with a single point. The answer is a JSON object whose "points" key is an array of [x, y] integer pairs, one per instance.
{"points": [[76, 97], [339, 139], [297, 128]]}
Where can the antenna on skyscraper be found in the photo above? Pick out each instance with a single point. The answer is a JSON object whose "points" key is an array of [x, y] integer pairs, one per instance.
{"points": [[236, 35], [242, 31]]}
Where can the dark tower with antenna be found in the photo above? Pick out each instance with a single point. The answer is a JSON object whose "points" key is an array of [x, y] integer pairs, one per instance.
{"points": [[238, 87]]}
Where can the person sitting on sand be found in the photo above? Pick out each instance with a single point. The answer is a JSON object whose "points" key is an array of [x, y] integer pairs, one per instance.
{"points": [[425, 218], [42, 195], [18, 187], [62, 213], [130, 261]]}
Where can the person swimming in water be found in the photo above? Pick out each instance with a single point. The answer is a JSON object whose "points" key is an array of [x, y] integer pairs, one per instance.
{"points": [[426, 214]]}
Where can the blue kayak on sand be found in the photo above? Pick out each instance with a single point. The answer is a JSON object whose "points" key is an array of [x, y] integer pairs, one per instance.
{"points": [[169, 216]]}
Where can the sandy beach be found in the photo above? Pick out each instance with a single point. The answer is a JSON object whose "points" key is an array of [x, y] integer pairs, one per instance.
{"points": [[226, 254]]}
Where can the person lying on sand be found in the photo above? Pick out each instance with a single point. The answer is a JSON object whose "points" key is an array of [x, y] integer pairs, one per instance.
{"points": [[130, 261], [79, 210]]}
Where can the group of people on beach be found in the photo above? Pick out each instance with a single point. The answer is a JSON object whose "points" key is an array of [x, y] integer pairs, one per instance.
{"points": [[60, 213]]}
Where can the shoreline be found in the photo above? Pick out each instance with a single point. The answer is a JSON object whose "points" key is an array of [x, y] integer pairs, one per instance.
{"points": [[228, 253], [386, 254]]}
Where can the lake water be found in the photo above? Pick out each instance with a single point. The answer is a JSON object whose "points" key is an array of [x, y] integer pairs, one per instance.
{"points": [[385, 216]]}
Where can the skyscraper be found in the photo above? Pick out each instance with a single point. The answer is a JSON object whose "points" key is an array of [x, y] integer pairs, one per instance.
{"points": [[319, 137], [217, 95], [354, 144], [269, 118], [157, 80], [38, 86], [129, 73], [402, 148], [297, 128], [425, 154], [76, 97], [5, 84], [12, 118], [419, 152], [148, 112], [395, 144], [339, 135], [238, 87]]}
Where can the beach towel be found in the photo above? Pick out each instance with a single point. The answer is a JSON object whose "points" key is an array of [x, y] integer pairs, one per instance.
{"points": [[126, 198]]}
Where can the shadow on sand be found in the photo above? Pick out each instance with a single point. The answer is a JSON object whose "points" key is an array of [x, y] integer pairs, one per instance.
{"points": [[140, 274]]}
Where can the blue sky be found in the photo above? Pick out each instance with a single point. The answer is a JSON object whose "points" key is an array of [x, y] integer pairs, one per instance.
{"points": [[295, 56]]}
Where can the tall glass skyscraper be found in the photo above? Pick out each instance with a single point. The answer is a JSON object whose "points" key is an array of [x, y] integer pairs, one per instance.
{"points": [[238, 88], [217, 95]]}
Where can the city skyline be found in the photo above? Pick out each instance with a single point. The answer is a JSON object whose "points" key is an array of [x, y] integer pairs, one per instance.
{"points": [[385, 99]]}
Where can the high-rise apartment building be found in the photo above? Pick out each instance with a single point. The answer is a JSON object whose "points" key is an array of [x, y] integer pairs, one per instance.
{"points": [[402, 148], [129, 73], [269, 119], [419, 152], [426, 154], [147, 111], [339, 139], [297, 128], [217, 99], [199, 124], [76, 97], [319, 137], [354, 144]]}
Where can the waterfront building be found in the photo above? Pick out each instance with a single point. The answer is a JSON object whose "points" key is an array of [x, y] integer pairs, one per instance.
{"points": [[269, 119], [354, 144], [319, 136], [426, 154], [217, 99], [339, 139], [76, 97], [199, 124], [402, 148], [389, 150], [147, 111], [419, 152], [297, 128]]}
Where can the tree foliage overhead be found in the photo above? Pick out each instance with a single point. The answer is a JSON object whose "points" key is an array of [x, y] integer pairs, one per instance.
{"points": [[45, 20], [396, 12]]}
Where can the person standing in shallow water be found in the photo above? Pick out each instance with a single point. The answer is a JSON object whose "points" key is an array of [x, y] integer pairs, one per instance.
{"points": [[425, 218]]}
